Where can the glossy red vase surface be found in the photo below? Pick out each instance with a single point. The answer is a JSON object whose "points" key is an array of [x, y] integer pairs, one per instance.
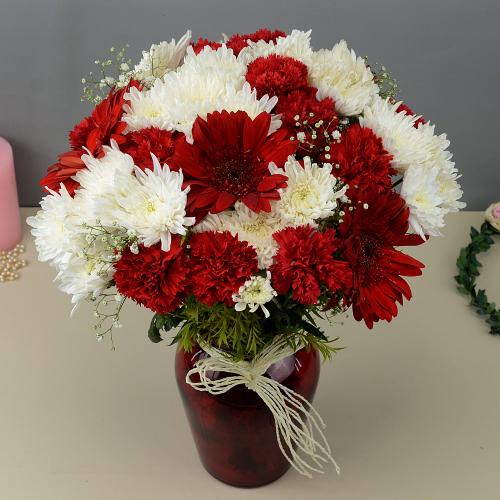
{"points": [[235, 432]]}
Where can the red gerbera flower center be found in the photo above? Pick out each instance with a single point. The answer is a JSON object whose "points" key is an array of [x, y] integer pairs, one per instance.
{"points": [[232, 170]]}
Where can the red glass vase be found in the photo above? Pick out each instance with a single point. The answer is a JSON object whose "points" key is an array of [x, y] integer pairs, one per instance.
{"points": [[235, 432]]}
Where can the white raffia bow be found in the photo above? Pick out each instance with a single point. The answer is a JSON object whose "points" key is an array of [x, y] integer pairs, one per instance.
{"points": [[295, 418]]}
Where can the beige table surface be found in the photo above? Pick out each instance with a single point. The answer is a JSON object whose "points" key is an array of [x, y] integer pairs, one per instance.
{"points": [[413, 407]]}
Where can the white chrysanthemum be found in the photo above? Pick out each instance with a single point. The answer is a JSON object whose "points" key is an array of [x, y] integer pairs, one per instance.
{"points": [[296, 45], [311, 192], [102, 182], [256, 229], [83, 276], [407, 144], [222, 60], [156, 208], [450, 190], [421, 193], [430, 194], [161, 58], [56, 228], [147, 108], [339, 74], [189, 94], [256, 292]]}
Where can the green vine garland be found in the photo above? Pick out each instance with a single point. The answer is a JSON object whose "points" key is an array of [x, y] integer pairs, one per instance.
{"points": [[468, 267]]}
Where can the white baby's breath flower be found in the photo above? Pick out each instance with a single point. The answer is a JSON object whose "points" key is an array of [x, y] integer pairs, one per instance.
{"points": [[156, 208], [311, 192], [339, 74], [161, 58], [256, 292]]}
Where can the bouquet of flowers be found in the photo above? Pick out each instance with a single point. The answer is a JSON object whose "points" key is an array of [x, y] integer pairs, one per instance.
{"points": [[242, 189]]}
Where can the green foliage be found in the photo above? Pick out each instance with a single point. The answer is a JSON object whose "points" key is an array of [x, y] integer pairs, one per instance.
{"points": [[469, 270], [242, 334]]}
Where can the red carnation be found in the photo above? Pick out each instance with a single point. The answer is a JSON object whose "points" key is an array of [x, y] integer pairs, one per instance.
{"points": [[154, 278], [403, 108], [305, 261], [93, 132], [276, 75], [361, 158], [302, 107], [220, 264], [202, 43], [139, 145], [378, 223], [239, 42], [229, 160]]}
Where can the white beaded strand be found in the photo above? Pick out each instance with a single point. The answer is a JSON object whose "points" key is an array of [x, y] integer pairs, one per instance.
{"points": [[11, 263]]}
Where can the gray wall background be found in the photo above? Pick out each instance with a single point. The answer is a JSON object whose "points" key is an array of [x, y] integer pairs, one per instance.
{"points": [[445, 55]]}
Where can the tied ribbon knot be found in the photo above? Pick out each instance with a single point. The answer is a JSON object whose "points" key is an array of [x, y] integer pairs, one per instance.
{"points": [[296, 420]]}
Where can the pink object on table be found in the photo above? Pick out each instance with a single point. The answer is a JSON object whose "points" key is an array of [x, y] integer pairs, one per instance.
{"points": [[10, 218]]}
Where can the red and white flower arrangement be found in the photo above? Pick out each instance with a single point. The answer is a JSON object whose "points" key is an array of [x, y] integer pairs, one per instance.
{"points": [[239, 189], [242, 171]]}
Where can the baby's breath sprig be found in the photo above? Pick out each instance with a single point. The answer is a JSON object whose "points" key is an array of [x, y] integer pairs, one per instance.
{"points": [[107, 309], [386, 82], [315, 136], [114, 71]]}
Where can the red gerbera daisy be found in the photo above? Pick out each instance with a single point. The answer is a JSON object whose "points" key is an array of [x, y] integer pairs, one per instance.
{"points": [[220, 264], [154, 278], [361, 158], [403, 108], [276, 75], [229, 160], [202, 43], [67, 165], [315, 120], [139, 145], [305, 261], [239, 42], [93, 132], [378, 223]]}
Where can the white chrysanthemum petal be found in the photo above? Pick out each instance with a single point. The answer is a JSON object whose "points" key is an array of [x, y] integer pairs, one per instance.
{"points": [[147, 108], [156, 207], [339, 74], [56, 228], [256, 229], [296, 45], [255, 292], [81, 278], [311, 193], [407, 144], [161, 58], [222, 60], [102, 182], [430, 194]]}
